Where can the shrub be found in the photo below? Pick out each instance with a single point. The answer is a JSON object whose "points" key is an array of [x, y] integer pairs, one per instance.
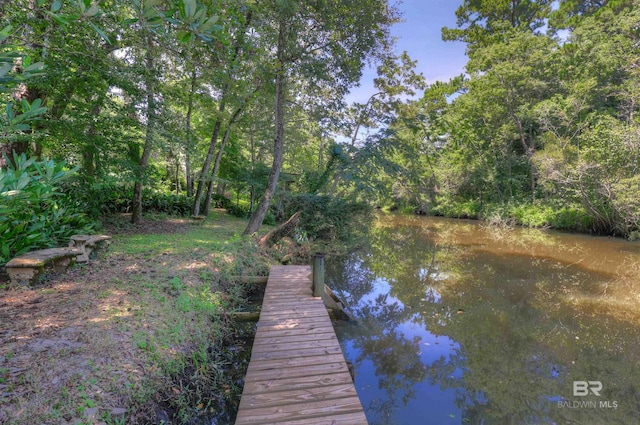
{"points": [[448, 207], [239, 210], [100, 198], [34, 212], [168, 203], [625, 201], [269, 219], [220, 201], [540, 214], [328, 218], [112, 197], [571, 218], [531, 215]]}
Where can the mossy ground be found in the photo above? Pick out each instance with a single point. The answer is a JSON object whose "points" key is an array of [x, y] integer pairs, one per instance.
{"points": [[139, 336]]}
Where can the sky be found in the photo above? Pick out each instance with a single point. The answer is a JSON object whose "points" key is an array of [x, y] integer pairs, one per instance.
{"points": [[420, 36]]}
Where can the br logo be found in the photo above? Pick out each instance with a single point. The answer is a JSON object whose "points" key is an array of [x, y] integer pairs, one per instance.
{"points": [[583, 388]]}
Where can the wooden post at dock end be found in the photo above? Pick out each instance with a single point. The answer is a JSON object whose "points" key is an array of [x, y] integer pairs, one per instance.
{"points": [[318, 275]]}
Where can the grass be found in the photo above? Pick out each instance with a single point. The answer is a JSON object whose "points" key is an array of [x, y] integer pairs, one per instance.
{"points": [[145, 329]]}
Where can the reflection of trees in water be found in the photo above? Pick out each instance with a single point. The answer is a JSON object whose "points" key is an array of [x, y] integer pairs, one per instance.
{"points": [[352, 270], [397, 366], [522, 342], [394, 356]]}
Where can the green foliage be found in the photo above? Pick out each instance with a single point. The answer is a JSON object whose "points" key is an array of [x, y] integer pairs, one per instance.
{"points": [[239, 210], [100, 198], [106, 198], [112, 197], [539, 214], [10, 60], [220, 201], [543, 131], [571, 217], [531, 215], [34, 213], [242, 210], [328, 218], [448, 207], [626, 203], [168, 203], [269, 219], [20, 122], [551, 214], [200, 300]]}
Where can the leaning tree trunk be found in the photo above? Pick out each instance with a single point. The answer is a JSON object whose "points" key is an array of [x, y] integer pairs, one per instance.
{"points": [[286, 229], [136, 205], [258, 216]]}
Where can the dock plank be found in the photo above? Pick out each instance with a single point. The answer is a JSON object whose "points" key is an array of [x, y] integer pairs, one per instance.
{"points": [[302, 382], [296, 411], [303, 395], [310, 375], [343, 419], [308, 362], [268, 338], [297, 374]]}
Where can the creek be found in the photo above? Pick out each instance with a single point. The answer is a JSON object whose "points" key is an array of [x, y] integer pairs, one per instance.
{"points": [[459, 323]]}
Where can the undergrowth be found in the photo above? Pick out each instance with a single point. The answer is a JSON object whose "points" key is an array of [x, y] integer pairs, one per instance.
{"points": [[152, 321]]}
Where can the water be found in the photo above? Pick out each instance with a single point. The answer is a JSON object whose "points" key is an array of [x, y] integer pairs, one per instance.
{"points": [[460, 324]]}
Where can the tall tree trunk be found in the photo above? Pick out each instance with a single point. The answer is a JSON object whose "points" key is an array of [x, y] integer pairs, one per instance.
{"points": [[216, 131], [252, 195], [136, 204], [207, 161], [88, 149], [177, 175], [216, 164], [189, 177], [189, 147], [207, 201], [278, 146]]}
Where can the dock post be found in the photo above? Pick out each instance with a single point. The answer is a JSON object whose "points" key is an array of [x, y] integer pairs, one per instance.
{"points": [[318, 275]]}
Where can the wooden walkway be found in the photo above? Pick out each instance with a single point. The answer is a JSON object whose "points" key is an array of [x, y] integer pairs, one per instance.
{"points": [[297, 374]]}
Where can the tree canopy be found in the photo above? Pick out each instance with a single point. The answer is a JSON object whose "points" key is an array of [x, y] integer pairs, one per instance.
{"points": [[242, 104]]}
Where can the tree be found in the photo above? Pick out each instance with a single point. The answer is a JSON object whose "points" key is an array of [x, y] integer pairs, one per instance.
{"points": [[196, 20], [232, 80], [368, 154], [482, 22], [591, 131], [318, 41], [150, 128]]}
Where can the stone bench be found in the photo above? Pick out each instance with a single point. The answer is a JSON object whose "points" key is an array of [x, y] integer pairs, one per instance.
{"points": [[92, 246], [27, 268]]}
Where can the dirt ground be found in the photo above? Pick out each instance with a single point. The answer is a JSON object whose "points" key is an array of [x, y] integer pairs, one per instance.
{"points": [[68, 350]]}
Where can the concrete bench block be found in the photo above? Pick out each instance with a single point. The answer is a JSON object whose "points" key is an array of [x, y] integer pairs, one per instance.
{"points": [[27, 268], [92, 246]]}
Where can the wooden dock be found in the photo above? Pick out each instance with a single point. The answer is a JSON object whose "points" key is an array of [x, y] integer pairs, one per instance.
{"points": [[297, 374]]}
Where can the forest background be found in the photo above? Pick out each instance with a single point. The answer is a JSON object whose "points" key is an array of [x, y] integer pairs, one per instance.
{"points": [[179, 106]]}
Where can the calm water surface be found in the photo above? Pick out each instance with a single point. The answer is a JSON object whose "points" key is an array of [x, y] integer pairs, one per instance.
{"points": [[460, 324]]}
